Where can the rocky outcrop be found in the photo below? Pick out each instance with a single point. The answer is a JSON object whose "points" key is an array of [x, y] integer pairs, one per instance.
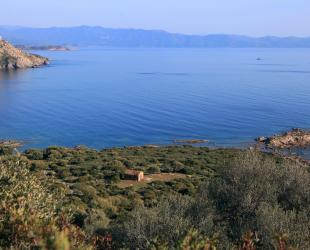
{"points": [[13, 58], [296, 138]]}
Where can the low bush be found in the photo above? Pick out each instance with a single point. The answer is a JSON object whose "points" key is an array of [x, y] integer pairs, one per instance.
{"points": [[6, 150], [29, 212], [34, 154]]}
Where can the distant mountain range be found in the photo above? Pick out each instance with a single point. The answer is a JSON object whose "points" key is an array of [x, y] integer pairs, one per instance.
{"points": [[99, 36]]}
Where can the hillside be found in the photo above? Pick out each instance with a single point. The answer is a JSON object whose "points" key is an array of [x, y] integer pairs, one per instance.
{"points": [[75, 198], [99, 36], [13, 58]]}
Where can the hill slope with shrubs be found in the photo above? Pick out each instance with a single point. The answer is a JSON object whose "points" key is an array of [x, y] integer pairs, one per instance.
{"points": [[70, 198]]}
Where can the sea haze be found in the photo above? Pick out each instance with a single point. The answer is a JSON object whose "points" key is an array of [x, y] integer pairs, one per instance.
{"points": [[116, 97]]}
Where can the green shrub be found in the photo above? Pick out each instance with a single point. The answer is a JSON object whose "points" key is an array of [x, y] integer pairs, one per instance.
{"points": [[6, 150], [34, 154], [167, 221], [253, 180], [28, 212], [153, 169], [274, 221]]}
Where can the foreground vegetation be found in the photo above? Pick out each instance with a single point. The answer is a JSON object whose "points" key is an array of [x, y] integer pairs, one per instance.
{"points": [[60, 198]]}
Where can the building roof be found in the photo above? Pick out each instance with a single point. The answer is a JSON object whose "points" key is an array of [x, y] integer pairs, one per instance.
{"points": [[133, 172]]}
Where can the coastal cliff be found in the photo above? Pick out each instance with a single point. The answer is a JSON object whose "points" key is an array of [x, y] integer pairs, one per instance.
{"points": [[13, 58]]}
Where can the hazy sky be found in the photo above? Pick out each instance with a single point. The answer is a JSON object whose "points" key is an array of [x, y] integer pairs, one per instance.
{"points": [[248, 17]]}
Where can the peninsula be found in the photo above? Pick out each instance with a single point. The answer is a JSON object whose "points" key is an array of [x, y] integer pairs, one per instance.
{"points": [[43, 47], [14, 58]]}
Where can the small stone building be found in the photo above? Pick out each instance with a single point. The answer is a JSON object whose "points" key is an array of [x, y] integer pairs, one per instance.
{"points": [[134, 175]]}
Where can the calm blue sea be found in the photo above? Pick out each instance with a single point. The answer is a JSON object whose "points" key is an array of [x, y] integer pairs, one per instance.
{"points": [[106, 97]]}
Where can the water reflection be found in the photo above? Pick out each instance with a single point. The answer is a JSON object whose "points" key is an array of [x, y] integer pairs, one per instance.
{"points": [[9, 76]]}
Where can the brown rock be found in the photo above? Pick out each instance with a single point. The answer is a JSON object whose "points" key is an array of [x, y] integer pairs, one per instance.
{"points": [[13, 58], [294, 138]]}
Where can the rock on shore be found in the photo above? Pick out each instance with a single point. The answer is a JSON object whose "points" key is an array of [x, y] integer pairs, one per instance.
{"points": [[13, 58], [291, 139]]}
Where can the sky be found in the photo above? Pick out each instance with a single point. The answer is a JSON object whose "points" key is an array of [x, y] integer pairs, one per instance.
{"points": [[243, 17]]}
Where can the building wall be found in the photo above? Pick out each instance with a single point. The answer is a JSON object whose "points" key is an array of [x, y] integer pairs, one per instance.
{"points": [[135, 177], [140, 176]]}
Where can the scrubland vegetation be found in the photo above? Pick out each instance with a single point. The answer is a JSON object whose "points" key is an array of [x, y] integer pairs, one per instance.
{"points": [[60, 198]]}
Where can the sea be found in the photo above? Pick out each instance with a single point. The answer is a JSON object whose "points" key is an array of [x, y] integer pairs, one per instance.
{"points": [[116, 97]]}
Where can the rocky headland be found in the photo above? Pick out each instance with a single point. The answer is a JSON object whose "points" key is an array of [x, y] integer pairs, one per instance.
{"points": [[14, 58], [296, 138]]}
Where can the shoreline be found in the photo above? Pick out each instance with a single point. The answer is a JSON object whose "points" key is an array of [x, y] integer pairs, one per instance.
{"points": [[16, 145]]}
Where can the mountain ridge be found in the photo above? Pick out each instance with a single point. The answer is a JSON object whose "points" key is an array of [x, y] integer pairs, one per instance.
{"points": [[84, 36]]}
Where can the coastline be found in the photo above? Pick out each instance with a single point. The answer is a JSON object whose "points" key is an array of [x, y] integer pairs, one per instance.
{"points": [[293, 152]]}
